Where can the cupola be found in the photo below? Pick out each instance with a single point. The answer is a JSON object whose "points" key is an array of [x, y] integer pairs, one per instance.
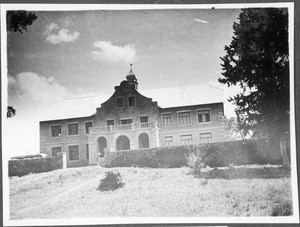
{"points": [[131, 78]]}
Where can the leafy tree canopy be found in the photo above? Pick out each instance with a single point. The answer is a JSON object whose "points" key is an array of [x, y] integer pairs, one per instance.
{"points": [[257, 60], [18, 21], [10, 112]]}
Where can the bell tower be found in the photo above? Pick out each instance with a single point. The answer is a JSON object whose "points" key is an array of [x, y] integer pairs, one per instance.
{"points": [[131, 78]]}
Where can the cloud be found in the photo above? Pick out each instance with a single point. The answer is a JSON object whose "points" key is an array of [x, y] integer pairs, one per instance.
{"points": [[30, 87], [56, 35], [105, 51]]}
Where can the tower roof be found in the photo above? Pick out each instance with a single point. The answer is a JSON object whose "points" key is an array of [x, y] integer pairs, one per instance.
{"points": [[131, 76], [131, 73]]}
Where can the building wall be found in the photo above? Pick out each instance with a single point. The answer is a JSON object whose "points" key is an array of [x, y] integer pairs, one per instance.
{"points": [[46, 141], [215, 126], [143, 107], [109, 110]]}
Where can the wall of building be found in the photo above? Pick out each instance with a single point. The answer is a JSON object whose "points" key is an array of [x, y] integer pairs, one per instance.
{"points": [[46, 141], [143, 107], [215, 126]]}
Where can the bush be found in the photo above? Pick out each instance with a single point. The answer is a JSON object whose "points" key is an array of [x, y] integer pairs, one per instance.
{"points": [[111, 182], [244, 152], [21, 167], [284, 208], [166, 157], [244, 172]]}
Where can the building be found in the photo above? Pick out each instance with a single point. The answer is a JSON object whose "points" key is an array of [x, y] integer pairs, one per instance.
{"points": [[128, 119]]}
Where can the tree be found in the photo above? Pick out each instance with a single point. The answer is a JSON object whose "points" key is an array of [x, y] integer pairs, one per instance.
{"points": [[257, 60], [18, 21], [231, 129], [10, 112]]}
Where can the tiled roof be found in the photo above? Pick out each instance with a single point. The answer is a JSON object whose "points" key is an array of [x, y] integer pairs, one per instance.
{"points": [[165, 97]]}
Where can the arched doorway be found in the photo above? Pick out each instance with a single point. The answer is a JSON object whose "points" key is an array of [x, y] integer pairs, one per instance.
{"points": [[123, 143], [102, 143], [143, 140]]}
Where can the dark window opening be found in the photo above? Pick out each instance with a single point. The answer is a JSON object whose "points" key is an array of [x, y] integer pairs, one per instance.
{"points": [[55, 151], [120, 102], [73, 153], [126, 121], [203, 116], [110, 122], [184, 118], [131, 101], [166, 119], [88, 125], [73, 129], [186, 139], [168, 140], [56, 131]]}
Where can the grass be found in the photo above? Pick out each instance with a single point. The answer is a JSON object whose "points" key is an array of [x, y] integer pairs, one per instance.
{"points": [[146, 193]]}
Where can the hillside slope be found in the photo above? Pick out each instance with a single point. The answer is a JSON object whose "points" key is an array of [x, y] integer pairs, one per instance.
{"points": [[147, 192]]}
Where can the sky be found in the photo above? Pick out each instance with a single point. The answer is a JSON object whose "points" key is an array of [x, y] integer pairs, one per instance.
{"points": [[77, 53]]}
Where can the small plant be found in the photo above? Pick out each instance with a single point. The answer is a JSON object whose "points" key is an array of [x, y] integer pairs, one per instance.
{"points": [[195, 161], [284, 208], [110, 182], [204, 182]]}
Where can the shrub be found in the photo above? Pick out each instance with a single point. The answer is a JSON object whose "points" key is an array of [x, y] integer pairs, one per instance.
{"points": [[195, 160], [111, 182], [244, 172], [21, 167], [284, 208], [218, 154]]}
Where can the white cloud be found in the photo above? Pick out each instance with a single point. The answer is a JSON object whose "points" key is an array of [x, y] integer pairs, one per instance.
{"points": [[56, 35], [32, 87], [105, 51]]}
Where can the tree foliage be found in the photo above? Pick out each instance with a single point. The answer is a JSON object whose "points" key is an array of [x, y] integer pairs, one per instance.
{"points": [[10, 112], [18, 21], [257, 60]]}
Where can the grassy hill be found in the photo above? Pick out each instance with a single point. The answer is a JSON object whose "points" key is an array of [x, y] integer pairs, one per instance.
{"points": [[147, 192]]}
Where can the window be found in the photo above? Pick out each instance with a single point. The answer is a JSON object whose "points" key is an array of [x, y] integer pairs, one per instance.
{"points": [[144, 121], [87, 151], [55, 130], [186, 139], [110, 122], [120, 102], [55, 151], [88, 125], [169, 140], [72, 129], [73, 153], [166, 119], [184, 118], [205, 138], [126, 121], [131, 101], [203, 116]]}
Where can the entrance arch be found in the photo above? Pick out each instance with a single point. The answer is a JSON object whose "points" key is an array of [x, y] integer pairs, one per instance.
{"points": [[102, 143], [123, 143], [143, 140]]}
